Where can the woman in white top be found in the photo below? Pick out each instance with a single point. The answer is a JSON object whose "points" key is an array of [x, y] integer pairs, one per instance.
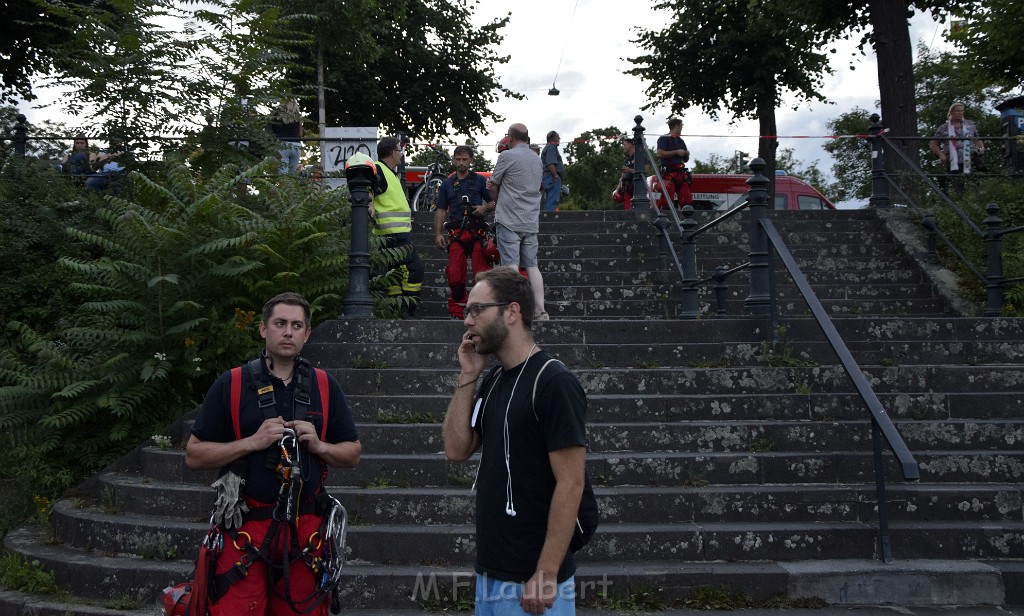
{"points": [[956, 141]]}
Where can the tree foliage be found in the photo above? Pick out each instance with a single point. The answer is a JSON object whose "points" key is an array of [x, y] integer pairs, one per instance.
{"points": [[940, 79], [989, 38], [885, 27], [168, 293], [740, 55], [36, 36], [851, 156], [419, 66], [593, 168]]}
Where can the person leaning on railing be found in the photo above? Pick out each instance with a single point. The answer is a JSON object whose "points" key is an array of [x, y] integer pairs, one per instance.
{"points": [[957, 143]]}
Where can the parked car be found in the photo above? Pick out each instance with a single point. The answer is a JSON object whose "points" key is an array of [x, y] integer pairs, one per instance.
{"points": [[722, 191]]}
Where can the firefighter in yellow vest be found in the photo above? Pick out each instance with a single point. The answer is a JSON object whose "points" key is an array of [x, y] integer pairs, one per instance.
{"points": [[392, 221]]}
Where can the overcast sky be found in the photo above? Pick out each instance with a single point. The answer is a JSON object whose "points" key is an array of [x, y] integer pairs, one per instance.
{"points": [[596, 94]]}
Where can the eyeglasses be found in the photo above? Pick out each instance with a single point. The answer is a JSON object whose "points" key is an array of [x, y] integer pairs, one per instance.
{"points": [[474, 310]]}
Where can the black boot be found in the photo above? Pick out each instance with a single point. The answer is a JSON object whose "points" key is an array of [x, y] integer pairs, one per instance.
{"points": [[408, 308]]}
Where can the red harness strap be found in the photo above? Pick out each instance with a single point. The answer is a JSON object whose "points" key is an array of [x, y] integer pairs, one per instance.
{"points": [[325, 399], [236, 400]]}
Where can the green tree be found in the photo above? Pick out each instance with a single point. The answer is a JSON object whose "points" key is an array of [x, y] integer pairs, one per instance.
{"points": [[124, 68], [421, 67], [990, 38], [37, 35], [851, 156], [884, 26], [736, 55], [941, 78], [593, 168], [715, 163]]}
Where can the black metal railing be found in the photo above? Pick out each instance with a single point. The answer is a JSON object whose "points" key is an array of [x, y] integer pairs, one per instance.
{"points": [[993, 278], [762, 302]]}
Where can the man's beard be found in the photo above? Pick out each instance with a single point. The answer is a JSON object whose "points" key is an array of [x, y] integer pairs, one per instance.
{"points": [[492, 337]]}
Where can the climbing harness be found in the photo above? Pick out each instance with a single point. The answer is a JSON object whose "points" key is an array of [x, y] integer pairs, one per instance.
{"points": [[329, 539]]}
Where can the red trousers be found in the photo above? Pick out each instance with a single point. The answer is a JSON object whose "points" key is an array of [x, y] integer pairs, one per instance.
{"points": [[677, 186], [467, 245], [250, 596]]}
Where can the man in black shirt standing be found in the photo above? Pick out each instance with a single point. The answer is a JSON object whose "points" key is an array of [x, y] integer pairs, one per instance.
{"points": [[530, 418]]}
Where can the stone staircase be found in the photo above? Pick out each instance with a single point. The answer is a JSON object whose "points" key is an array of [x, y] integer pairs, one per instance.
{"points": [[719, 457]]}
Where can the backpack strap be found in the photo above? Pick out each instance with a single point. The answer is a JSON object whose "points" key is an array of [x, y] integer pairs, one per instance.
{"points": [[533, 399], [264, 388]]}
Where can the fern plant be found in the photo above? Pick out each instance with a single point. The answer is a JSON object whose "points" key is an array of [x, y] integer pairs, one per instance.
{"points": [[172, 299]]}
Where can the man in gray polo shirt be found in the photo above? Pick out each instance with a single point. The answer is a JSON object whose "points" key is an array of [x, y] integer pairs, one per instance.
{"points": [[515, 184]]}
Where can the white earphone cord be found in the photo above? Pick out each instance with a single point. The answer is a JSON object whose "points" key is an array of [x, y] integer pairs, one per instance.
{"points": [[510, 506]]}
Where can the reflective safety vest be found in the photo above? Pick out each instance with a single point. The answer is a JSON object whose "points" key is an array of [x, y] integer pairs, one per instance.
{"points": [[392, 209]]}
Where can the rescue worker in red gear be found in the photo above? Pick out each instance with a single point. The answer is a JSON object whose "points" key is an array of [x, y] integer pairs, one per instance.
{"points": [[673, 156], [460, 228], [624, 191], [274, 584]]}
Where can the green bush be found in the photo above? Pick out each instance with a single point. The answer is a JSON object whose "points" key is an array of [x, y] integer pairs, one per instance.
{"points": [[21, 575], [36, 205], [169, 282], [977, 195]]}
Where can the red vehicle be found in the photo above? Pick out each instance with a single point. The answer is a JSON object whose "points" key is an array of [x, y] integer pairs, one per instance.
{"points": [[722, 191]]}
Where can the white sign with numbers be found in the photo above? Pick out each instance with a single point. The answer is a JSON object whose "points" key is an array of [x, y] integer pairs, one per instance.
{"points": [[341, 142]]}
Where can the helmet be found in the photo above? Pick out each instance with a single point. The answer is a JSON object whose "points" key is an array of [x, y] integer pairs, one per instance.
{"points": [[504, 144], [177, 599], [360, 160], [491, 252]]}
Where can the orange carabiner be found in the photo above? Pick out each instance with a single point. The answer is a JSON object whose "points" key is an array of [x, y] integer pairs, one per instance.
{"points": [[248, 540], [320, 542]]}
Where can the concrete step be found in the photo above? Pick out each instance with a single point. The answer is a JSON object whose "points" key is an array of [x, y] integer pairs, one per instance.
{"points": [[672, 308], [168, 539], [592, 274], [709, 381], [671, 468], [727, 435], [818, 407], [695, 354], [368, 586], [838, 243], [743, 330], [392, 588], [825, 292], [133, 496], [696, 436], [633, 257]]}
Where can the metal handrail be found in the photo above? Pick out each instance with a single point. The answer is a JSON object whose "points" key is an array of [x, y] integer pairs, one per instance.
{"points": [[931, 184], [878, 415], [762, 302], [992, 235]]}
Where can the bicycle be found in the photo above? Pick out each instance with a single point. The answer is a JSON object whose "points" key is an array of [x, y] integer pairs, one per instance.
{"points": [[425, 198]]}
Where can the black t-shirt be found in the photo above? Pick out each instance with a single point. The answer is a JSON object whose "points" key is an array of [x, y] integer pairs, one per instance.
{"points": [[286, 130], [508, 547], [672, 142], [214, 424], [453, 190]]}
